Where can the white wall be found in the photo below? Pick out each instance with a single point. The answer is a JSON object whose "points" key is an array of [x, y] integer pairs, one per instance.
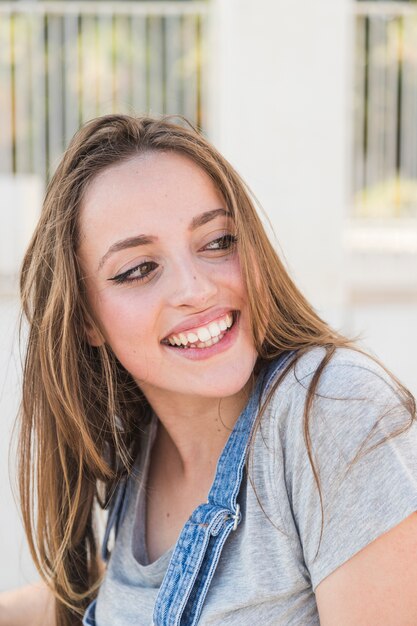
{"points": [[16, 567], [382, 276], [281, 90], [280, 114], [20, 201], [20, 198], [389, 331]]}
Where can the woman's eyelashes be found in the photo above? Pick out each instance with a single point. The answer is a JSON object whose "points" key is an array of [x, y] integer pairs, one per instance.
{"points": [[223, 243], [143, 271], [137, 273]]}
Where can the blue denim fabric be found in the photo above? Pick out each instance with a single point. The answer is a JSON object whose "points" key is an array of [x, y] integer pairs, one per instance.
{"points": [[197, 551], [89, 619]]}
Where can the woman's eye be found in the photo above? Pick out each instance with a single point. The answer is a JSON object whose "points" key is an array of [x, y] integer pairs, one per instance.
{"points": [[137, 273], [222, 243]]}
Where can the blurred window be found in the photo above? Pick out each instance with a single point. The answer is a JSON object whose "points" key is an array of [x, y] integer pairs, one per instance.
{"points": [[62, 63], [385, 110]]}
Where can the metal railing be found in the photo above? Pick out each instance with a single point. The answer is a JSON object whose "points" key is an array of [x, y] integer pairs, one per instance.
{"points": [[62, 63], [385, 110]]}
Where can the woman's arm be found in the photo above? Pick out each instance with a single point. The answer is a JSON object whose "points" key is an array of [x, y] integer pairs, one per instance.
{"points": [[377, 586], [33, 604]]}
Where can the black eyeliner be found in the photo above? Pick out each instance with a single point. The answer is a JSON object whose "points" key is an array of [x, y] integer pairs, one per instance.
{"points": [[121, 278]]}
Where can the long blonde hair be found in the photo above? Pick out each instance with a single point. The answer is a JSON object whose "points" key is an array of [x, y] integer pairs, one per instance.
{"points": [[81, 412]]}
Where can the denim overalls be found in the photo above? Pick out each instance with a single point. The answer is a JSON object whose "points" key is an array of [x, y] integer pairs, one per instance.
{"points": [[198, 548]]}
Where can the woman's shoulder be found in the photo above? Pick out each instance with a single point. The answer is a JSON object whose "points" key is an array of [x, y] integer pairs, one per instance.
{"points": [[354, 396], [362, 439], [347, 373]]}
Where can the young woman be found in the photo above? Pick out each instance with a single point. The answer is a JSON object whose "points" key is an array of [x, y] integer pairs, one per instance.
{"points": [[257, 466]]}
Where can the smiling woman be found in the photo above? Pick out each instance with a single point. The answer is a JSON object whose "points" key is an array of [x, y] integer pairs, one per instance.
{"points": [[257, 466], [181, 283]]}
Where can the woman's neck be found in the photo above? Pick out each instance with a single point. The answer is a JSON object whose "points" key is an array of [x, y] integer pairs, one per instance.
{"points": [[192, 434]]}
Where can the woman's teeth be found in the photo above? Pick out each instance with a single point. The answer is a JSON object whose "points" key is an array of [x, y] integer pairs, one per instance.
{"points": [[203, 337]]}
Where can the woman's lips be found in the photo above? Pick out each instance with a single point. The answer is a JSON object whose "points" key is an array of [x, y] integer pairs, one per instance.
{"points": [[197, 354], [197, 321], [222, 322]]}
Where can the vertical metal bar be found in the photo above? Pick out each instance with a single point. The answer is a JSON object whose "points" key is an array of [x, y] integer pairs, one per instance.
{"points": [[412, 96], [155, 65], [407, 122], [189, 68], [55, 91], [38, 95], [104, 63], [72, 76], [408, 101], [88, 74], [21, 96], [398, 116], [129, 63], [390, 98], [138, 67], [122, 63], [173, 65], [209, 78], [6, 153], [200, 59], [376, 82], [358, 112]]}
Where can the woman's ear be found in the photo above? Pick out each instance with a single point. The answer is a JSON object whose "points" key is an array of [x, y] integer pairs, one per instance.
{"points": [[93, 334]]}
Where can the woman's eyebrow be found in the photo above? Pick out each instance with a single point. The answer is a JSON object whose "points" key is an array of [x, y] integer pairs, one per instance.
{"points": [[143, 240], [207, 216]]}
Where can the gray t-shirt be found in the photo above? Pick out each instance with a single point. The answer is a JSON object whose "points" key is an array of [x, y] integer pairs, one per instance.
{"points": [[269, 568]]}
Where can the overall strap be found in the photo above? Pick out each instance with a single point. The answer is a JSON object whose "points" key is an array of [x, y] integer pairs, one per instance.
{"points": [[197, 551], [117, 506], [113, 520]]}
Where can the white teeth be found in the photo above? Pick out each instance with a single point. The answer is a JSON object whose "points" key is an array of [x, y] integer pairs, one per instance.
{"points": [[203, 334], [183, 339], [214, 329], [202, 344], [222, 325], [205, 344]]}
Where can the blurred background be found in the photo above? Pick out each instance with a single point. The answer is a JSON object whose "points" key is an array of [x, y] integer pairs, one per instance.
{"points": [[314, 103]]}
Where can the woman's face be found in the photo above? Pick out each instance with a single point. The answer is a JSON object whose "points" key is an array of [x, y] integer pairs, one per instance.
{"points": [[157, 251]]}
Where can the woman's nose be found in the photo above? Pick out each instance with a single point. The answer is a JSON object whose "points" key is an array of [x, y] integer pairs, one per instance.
{"points": [[192, 285]]}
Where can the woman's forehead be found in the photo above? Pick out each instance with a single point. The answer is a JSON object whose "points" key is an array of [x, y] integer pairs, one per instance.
{"points": [[148, 181], [148, 194]]}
